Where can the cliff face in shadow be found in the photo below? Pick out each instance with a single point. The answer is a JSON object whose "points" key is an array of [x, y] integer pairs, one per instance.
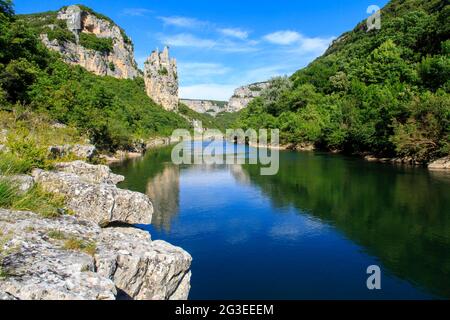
{"points": [[399, 215]]}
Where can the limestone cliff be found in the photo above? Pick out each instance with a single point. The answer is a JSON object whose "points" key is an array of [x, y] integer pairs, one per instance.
{"points": [[206, 106], [161, 79], [243, 95], [97, 43]]}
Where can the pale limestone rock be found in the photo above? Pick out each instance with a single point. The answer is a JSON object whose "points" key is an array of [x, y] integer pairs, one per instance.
{"points": [[90, 173], [161, 79], [440, 164], [23, 182], [206, 106], [101, 203], [244, 95], [122, 56], [81, 151], [142, 269], [4, 296], [39, 268], [125, 261]]}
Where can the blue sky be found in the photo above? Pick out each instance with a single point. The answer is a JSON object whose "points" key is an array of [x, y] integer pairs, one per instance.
{"points": [[221, 45]]}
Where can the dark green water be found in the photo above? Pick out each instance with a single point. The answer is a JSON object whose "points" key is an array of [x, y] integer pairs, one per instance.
{"points": [[309, 232]]}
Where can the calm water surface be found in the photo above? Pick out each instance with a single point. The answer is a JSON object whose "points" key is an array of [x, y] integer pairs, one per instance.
{"points": [[309, 232]]}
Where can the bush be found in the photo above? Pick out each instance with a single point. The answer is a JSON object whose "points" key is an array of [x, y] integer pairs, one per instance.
{"points": [[30, 153], [91, 41]]}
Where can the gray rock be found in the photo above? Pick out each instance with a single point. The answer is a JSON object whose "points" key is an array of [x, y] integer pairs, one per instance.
{"points": [[86, 152], [4, 296], [39, 265], [161, 79], [206, 106], [101, 203], [23, 182], [142, 269], [118, 63], [244, 95], [440, 164], [90, 173]]}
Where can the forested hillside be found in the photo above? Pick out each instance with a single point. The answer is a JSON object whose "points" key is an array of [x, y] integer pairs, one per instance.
{"points": [[111, 112], [384, 92]]}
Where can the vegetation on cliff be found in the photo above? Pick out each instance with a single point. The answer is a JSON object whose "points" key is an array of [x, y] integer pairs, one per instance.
{"points": [[382, 91], [111, 112]]}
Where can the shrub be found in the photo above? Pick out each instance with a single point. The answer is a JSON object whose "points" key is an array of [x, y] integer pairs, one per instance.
{"points": [[91, 41]]}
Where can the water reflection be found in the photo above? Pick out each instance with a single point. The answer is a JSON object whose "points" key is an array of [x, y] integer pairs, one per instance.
{"points": [[397, 215], [164, 191]]}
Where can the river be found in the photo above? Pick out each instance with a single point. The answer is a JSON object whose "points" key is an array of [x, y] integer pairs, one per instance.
{"points": [[309, 232]]}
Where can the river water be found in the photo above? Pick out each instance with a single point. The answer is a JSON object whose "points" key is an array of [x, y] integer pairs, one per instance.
{"points": [[310, 232]]}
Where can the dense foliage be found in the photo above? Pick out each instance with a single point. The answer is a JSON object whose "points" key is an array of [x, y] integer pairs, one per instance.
{"points": [[382, 91], [111, 112]]}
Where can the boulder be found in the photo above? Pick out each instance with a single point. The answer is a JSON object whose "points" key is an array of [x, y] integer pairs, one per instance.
{"points": [[101, 203], [90, 173], [38, 267], [4, 296], [142, 269], [86, 152], [23, 182], [440, 164], [124, 263]]}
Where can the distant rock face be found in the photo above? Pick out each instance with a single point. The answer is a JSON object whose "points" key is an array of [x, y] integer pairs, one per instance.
{"points": [[206, 106], [161, 79], [118, 63], [243, 95], [120, 263]]}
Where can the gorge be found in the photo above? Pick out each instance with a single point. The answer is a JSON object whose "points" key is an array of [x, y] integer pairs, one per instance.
{"points": [[92, 206]]}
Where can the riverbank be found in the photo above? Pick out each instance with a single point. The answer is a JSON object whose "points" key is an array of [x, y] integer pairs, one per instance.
{"points": [[434, 165], [88, 249]]}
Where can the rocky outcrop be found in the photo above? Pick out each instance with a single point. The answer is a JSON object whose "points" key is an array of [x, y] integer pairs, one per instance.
{"points": [[86, 152], [243, 95], [68, 259], [23, 182], [118, 62], [90, 173], [206, 106], [161, 79], [440, 164], [102, 203]]}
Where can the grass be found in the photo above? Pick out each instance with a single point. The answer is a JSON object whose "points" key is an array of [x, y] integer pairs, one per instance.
{"points": [[28, 139], [37, 200], [75, 244], [56, 235]]}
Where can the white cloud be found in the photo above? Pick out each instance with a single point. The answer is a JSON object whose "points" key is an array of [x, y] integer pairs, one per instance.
{"points": [[234, 33], [184, 22], [187, 40], [208, 91], [202, 69], [285, 37], [224, 45], [136, 12]]}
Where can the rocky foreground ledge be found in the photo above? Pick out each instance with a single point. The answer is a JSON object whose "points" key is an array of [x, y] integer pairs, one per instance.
{"points": [[72, 257]]}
